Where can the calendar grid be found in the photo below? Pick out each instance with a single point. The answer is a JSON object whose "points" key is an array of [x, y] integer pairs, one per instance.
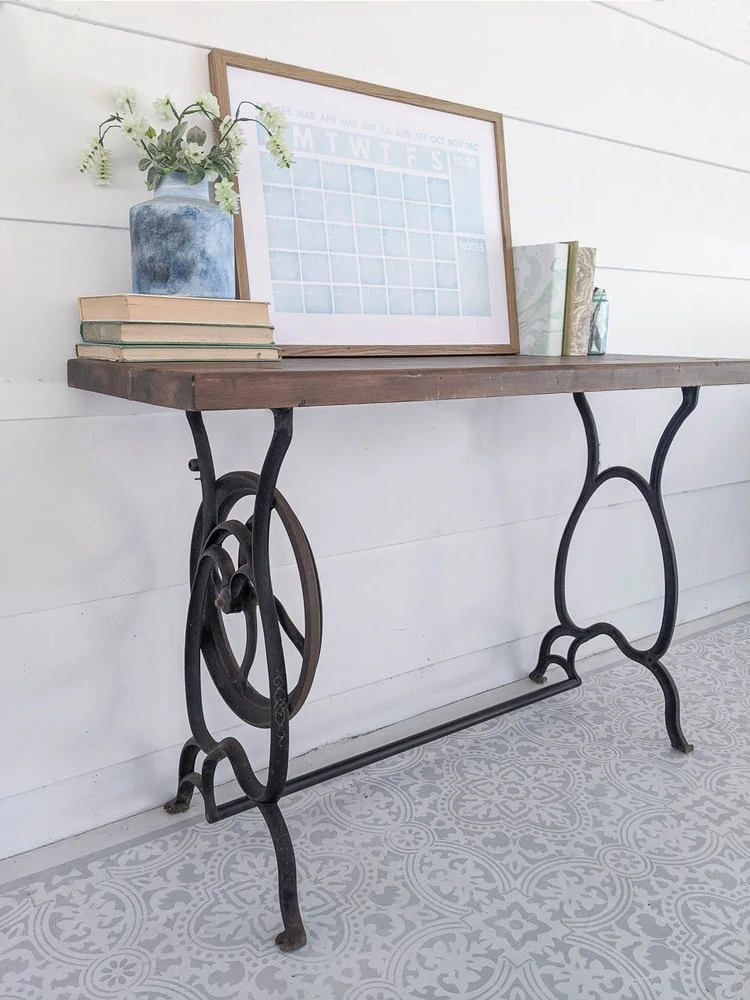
{"points": [[357, 239], [408, 244]]}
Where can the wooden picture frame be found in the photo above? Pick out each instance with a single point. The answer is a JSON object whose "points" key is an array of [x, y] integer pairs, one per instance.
{"points": [[472, 295]]}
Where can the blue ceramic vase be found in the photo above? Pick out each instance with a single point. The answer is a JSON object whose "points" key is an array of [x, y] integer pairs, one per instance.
{"points": [[181, 243]]}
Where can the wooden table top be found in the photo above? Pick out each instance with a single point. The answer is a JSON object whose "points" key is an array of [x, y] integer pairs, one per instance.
{"points": [[337, 381]]}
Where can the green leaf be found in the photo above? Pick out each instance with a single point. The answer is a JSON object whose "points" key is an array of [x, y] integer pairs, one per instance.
{"points": [[145, 163], [196, 174], [151, 177], [224, 160], [196, 134], [150, 132]]}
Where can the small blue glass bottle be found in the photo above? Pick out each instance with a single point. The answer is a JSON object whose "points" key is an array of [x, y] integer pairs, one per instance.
{"points": [[599, 322]]}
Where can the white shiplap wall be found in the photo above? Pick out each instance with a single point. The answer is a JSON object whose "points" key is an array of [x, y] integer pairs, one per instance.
{"points": [[435, 525]]}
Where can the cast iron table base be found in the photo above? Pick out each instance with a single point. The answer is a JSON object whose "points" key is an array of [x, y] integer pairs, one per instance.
{"points": [[222, 586]]}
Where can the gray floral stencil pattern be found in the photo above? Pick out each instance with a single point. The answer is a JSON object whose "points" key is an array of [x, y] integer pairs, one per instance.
{"points": [[563, 852]]}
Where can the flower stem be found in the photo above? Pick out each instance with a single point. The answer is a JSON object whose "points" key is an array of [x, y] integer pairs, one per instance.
{"points": [[112, 118], [259, 122], [107, 129], [237, 112]]}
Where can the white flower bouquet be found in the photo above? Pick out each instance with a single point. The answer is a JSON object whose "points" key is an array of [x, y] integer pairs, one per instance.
{"points": [[181, 147]]}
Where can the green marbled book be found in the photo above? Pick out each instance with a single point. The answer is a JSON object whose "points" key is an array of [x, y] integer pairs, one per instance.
{"points": [[541, 280]]}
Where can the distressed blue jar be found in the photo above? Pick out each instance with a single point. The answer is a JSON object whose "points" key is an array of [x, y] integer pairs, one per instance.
{"points": [[181, 243]]}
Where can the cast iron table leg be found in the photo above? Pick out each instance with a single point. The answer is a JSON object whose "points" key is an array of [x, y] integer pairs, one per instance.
{"points": [[652, 493], [220, 587]]}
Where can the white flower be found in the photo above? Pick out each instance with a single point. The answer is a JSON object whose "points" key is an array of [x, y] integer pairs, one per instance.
{"points": [[274, 121], [226, 197], [273, 118], [86, 157], [279, 150], [237, 138], [124, 98], [163, 108], [208, 105], [102, 166], [232, 134], [96, 161], [193, 152], [134, 126]]}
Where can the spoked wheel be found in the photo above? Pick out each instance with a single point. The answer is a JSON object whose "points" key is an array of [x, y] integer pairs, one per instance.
{"points": [[230, 589]]}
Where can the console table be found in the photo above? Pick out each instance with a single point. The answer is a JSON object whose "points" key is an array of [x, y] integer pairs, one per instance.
{"points": [[222, 586]]}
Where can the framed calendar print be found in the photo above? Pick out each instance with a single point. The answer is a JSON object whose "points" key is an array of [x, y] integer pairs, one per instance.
{"points": [[389, 234]]}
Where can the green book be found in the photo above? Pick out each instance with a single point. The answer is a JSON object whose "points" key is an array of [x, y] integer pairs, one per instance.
{"points": [[196, 334]]}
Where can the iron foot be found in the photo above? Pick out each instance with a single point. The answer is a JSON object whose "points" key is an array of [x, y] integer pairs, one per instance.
{"points": [[179, 804], [291, 938]]}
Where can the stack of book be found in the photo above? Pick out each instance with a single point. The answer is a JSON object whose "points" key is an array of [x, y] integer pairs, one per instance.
{"points": [[554, 291], [174, 328]]}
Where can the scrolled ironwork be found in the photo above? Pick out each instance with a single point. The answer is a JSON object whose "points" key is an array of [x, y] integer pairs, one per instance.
{"points": [[223, 585], [651, 491]]}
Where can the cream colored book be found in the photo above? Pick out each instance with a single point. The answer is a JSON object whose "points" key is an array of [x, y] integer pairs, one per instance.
{"points": [[170, 353], [570, 281], [159, 334], [578, 304], [172, 309]]}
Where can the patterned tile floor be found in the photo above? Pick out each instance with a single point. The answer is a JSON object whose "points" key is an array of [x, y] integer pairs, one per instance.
{"points": [[564, 852]]}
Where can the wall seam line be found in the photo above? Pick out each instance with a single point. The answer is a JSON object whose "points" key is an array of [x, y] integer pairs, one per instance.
{"points": [[62, 222], [389, 545], [672, 31], [677, 274], [630, 145], [604, 267], [102, 24], [532, 635]]}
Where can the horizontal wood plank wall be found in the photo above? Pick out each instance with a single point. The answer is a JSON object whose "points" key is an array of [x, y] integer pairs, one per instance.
{"points": [[399, 501]]}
